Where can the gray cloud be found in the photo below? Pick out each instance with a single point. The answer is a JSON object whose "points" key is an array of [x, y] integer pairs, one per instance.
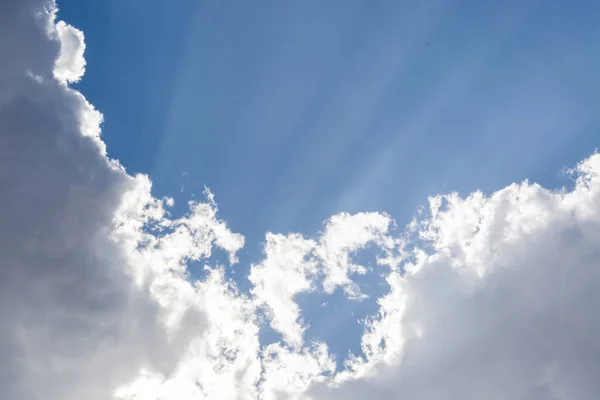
{"points": [[74, 324]]}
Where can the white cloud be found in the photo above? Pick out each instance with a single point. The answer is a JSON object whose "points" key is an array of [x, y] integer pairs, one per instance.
{"points": [[70, 64], [287, 270], [344, 235], [221, 362], [288, 374], [502, 306], [294, 265], [496, 298]]}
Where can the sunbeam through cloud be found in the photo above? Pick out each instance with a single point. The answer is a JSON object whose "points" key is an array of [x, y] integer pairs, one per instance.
{"points": [[117, 286]]}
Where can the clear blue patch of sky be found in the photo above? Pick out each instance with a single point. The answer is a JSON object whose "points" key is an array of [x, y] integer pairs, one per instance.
{"points": [[293, 111]]}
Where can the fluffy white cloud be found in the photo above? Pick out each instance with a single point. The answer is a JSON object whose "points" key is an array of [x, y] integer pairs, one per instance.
{"points": [[294, 264], [490, 296], [70, 64], [287, 270], [344, 235], [502, 303]]}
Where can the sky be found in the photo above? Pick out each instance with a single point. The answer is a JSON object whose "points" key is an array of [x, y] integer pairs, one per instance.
{"points": [[307, 109], [278, 200], [292, 112]]}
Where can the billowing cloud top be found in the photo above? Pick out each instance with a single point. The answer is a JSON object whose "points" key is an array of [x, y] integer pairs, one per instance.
{"points": [[491, 297]]}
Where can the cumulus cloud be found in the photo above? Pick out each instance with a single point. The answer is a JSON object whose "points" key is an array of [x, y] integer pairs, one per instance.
{"points": [[491, 296], [500, 303], [70, 64], [87, 296]]}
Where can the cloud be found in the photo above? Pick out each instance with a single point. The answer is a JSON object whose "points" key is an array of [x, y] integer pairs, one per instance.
{"points": [[221, 361], [87, 295], [344, 235], [287, 270], [500, 301], [491, 296], [70, 64], [294, 264]]}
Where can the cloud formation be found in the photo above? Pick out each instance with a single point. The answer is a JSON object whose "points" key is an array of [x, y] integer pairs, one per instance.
{"points": [[500, 304], [85, 302], [491, 296], [70, 64]]}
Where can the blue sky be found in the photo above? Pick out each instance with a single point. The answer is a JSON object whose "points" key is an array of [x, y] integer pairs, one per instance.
{"points": [[293, 111]]}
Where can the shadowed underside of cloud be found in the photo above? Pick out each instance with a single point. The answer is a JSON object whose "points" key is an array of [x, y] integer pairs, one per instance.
{"points": [[490, 297]]}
